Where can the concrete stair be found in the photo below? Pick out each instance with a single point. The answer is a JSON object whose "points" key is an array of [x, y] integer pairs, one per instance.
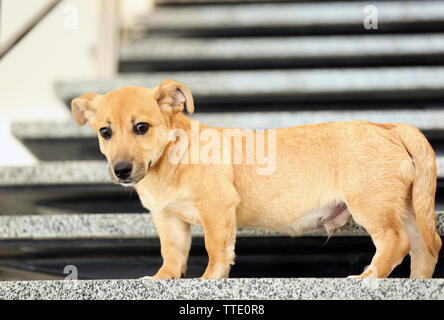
{"points": [[58, 141], [75, 186], [84, 186], [323, 86], [214, 2], [154, 54], [139, 225], [293, 18], [117, 246], [227, 289], [250, 64]]}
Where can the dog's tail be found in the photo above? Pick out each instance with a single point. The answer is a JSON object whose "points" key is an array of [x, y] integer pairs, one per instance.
{"points": [[424, 184]]}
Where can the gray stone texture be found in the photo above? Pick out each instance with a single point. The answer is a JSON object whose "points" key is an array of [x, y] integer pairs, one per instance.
{"points": [[251, 288]]}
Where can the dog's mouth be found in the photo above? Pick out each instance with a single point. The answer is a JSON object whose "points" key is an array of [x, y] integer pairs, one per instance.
{"points": [[127, 183], [132, 180]]}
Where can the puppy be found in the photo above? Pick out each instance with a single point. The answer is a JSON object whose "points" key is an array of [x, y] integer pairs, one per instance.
{"points": [[382, 175]]}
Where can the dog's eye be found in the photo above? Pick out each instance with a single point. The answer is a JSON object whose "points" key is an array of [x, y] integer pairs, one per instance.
{"points": [[106, 132], [141, 127]]}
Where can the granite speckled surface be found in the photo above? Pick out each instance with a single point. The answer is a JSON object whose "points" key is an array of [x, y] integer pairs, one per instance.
{"points": [[252, 288], [78, 172], [51, 129], [410, 81], [282, 47], [74, 226], [55, 172], [291, 15], [425, 119]]}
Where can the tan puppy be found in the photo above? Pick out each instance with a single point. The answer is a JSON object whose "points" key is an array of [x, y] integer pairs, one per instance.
{"points": [[382, 175]]}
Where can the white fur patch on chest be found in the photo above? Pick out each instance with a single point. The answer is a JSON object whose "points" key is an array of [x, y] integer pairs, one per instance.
{"points": [[147, 198], [185, 210], [173, 202]]}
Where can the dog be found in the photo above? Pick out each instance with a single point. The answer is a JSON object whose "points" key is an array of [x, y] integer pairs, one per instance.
{"points": [[381, 175]]}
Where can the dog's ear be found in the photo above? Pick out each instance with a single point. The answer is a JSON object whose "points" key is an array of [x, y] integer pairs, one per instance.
{"points": [[173, 96], [84, 108]]}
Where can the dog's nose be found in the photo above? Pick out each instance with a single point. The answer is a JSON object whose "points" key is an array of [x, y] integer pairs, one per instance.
{"points": [[123, 170]]}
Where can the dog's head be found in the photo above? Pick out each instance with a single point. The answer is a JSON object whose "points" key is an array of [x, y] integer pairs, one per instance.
{"points": [[133, 125]]}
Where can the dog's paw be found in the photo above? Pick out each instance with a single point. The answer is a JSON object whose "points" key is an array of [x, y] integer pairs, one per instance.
{"points": [[146, 278], [370, 272]]}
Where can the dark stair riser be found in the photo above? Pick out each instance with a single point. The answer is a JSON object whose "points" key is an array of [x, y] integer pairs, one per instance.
{"points": [[255, 257], [80, 198], [146, 66], [343, 29]]}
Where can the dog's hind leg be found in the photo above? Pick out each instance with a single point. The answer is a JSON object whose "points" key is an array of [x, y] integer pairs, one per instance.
{"points": [[422, 261], [385, 226]]}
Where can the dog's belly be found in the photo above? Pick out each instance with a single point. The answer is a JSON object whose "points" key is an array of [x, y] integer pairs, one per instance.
{"points": [[329, 217]]}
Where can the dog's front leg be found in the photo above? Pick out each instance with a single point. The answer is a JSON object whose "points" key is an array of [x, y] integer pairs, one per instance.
{"points": [[220, 236], [175, 241]]}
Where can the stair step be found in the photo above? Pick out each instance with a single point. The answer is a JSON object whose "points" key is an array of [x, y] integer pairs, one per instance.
{"points": [[283, 86], [77, 173], [59, 173], [84, 186], [266, 53], [427, 120], [77, 186], [294, 18], [217, 2], [58, 141], [113, 246], [129, 226], [231, 289]]}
